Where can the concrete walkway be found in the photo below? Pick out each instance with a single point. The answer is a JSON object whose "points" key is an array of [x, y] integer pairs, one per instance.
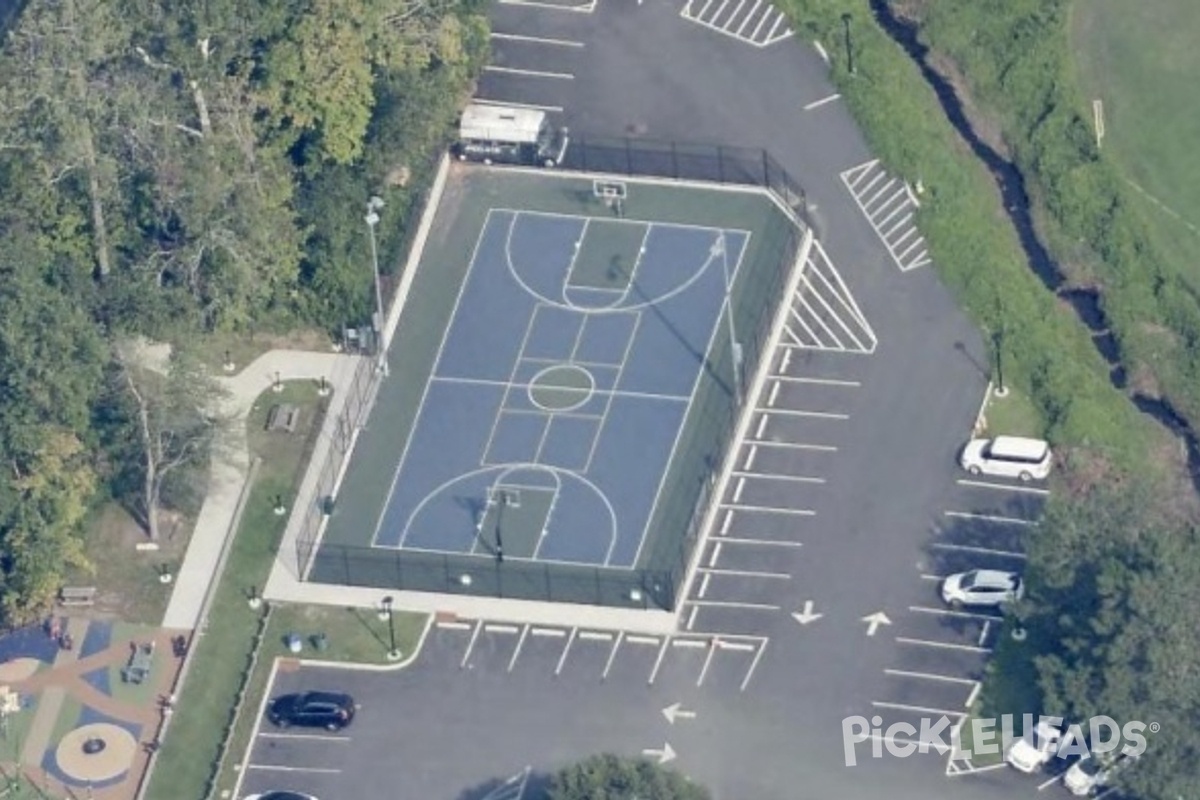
{"points": [[231, 462]]}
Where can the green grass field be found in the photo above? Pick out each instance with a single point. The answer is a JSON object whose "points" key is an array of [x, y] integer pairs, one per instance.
{"points": [[1141, 61]]}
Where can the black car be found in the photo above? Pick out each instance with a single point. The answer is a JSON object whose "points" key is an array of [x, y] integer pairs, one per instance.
{"points": [[330, 710]]}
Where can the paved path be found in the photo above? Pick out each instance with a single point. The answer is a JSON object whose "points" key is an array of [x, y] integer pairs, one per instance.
{"points": [[231, 464]]}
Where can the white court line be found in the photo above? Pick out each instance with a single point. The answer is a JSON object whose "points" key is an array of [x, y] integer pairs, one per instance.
{"points": [[799, 512], [821, 102], [516, 37], [744, 573], [770, 477], [948, 612], [817, 381], [513, 661], [988, 518], [929, 676], [612, 655], [732, 604], [1002, 486], [273, 768], [471, 645], [566, 649], [556, 633], [823, 448], [662, 651], [735, 540], [969, 648], [967, 548], [918, 709], [316, 737], [529, 73], [795, 412]]}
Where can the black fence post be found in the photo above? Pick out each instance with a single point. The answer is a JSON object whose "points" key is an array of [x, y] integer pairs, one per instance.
{"points": [[546, 578], [399, 569], [446, 574], [720, 165], [766, 165], [674, 161]]}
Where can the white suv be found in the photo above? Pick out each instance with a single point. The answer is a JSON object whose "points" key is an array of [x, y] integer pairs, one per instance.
{"points": [[982, 587], [1030, 756], [1007, 457]]}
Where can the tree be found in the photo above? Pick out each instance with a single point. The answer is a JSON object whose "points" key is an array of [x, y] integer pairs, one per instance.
{"points": [[610, 777], [177, 418]]}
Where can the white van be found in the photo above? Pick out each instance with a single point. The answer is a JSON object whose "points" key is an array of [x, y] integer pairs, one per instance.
{"points": [[495, 133], [1007, 457]]}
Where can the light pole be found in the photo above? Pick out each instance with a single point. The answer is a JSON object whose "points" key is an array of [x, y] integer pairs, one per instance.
{"points": [[393, 653], [849, 44], [734, 345], [373, 206]]}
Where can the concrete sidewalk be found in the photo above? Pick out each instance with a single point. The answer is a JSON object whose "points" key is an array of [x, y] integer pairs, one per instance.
{"points": [[231, 462]]}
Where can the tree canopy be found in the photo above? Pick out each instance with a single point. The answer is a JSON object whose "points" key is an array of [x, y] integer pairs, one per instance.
{"points": [[610, 777], [176, 170]]}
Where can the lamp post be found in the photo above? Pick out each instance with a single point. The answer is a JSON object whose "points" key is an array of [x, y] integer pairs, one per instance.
{"points": [[393, 653], [373, 206], [735, 346]]}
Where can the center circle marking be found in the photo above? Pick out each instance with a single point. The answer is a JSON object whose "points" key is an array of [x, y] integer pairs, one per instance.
{"points": [[562, 387]]}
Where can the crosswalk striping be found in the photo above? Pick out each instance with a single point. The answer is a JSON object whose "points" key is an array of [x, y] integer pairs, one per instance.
{"points": [[755, 22], [891, 207]]}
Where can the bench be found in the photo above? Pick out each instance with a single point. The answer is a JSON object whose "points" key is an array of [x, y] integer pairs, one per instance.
{"points": [[77, 596], [140, 662], [283, 417]]}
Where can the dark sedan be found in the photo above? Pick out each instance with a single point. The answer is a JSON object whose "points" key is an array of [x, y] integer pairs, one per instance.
{"points": [[330, 710]]}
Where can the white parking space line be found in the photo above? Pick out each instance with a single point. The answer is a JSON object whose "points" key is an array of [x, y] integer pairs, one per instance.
{"points": [[529, 73], [929, 676], [707, 661], [774, 393], [762, 424], [694, 644], [733, 604], [753, 451], [496, 628], [727, 521], [491, 102], [612, 655], [824, 448], [517, 651], [716, 553], [639, 639], [556, 633], [744, 573], [737, 490], [754, 22], [1004, 487], [1049, 782], [918, 709], [585, 8], [316, 737], [453, 626], [516, 37], [897, 739], [822, 101], [691, 621], [703, 586], [967, 648], [596, 636], [566, 649], [817, 381], [933, 577], [799, 512], [983, 634], [275, 768], [765, 476], [989, 518], [662, 651], [795, 412], [775, 542], [967, 548], [974, 693], [950, 612], [471, 645]]}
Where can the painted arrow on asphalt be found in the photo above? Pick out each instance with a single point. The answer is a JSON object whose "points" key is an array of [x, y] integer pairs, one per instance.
{"points": [[676, 711], [807, 615], [874, 621], [663, 756]]}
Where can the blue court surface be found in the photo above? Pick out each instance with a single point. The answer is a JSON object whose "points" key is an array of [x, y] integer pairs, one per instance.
{"points": [[561, 388]]}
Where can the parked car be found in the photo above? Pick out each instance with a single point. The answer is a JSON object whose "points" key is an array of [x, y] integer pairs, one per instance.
{"points": [[330, 710], [1093, 772], [982, 587], [281, 795], [1007, 457], [1030, 756]]}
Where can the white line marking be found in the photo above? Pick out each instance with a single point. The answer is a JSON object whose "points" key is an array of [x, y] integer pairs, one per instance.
{"points": [[707, 661], [1002, 486], [1049, 782], [770, 477], [566, 649], [923, 747], [471, 645], [534, 106], [929, 676], [716, 553], [800, 512], [918, 709], [974, 695], [783, 363], [989, 518], [750, 457], [691, 621], [734, 540], [726, 522], [967, 548], [987, 626], [733, 604], [933, 577], [744, 573], [513, 661], [762, 426], [662, 651], [753, 666], [612, 656], [556, 633], [516, 37], [737, 490], [817, 381], [316, 737], [741, 647], [822, 101], [969, 648], [493, 628], [824, 448], [274, 768], [774, 393], [529, 73], [703, 587], [795, 412], [595, 636], [454, 626], [948, 612], [695, 644], [637, 639]]}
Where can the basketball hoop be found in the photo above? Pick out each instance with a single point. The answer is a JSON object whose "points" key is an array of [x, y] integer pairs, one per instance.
{"points": [[611, 193]]}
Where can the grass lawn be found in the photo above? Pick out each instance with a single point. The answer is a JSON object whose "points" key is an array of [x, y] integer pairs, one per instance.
{"points": [[354, 635], [243, 348], [190, 752], [1013, 415], [1010, 687], [18, 730], [1141, 61]]}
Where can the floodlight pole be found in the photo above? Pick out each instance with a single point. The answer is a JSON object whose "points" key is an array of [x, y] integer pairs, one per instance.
{"points": [[387, 607], [373, 205], [734, 346]]}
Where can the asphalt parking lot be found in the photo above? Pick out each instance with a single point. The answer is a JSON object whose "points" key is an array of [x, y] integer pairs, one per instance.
{"points": [[817, 594]]}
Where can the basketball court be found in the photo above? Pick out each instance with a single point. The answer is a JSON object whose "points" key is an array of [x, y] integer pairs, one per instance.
{"points": [[554, 422]]}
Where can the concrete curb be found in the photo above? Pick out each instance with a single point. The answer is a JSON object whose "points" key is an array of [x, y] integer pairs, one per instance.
{"points": [[980, 418], [363, 667]]}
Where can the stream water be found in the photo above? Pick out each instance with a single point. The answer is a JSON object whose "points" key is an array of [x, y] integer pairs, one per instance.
{"points": [[1085, 302]]}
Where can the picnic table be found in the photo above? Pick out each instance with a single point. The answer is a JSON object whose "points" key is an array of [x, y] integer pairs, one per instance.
{"points": [[140, 663]]}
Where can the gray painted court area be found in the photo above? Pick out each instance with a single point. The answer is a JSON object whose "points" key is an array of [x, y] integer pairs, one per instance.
{"points": [[816, 593]]}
